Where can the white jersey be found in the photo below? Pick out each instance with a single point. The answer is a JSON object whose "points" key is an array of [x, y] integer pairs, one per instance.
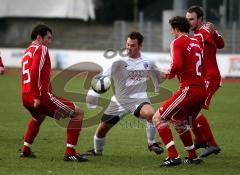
{"points": [[130, 81], [130, 77]]}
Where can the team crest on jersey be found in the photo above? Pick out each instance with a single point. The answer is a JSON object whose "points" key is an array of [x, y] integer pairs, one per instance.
{"points": [[145, 65]]}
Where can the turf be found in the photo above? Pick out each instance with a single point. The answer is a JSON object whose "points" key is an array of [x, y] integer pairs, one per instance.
{"points": [[126, 149]]}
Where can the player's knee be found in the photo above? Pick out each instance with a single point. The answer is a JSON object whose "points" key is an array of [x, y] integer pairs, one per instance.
{"points": [[156, 119], [78, 112]]}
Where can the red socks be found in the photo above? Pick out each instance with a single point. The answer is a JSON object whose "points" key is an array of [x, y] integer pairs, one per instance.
{"points": [[202, 131], [186, 138], [167, 139], [31, 133], [73, 131]]}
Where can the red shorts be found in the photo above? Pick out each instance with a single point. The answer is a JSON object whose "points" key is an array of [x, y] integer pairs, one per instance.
{"points": [[212, 87], [185, 104], [50, 105]]}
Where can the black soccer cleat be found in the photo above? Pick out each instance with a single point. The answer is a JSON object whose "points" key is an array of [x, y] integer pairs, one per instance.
{"points": [[168, 162], [155, 147], [24, 154], [189, 160], [91, 153], [200, 145], [210, 150], [75, 158]]}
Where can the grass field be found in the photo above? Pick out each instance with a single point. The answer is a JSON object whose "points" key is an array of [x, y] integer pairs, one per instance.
{"points": [[126, 149]]}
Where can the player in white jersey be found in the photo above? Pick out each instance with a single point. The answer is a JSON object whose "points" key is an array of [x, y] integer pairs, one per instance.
{"points": [[130, 76]]}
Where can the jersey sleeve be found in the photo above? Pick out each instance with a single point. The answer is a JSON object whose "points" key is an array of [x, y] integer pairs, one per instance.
{"points": [[155, 75], [38, 60], [1, 62], [176, 53], [218, 40]]}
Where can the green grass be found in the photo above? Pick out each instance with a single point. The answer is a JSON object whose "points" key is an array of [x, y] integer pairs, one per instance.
{"points": [[125, 151]]}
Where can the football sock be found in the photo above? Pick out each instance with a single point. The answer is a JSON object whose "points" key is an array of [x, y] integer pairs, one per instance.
{"points": [[151, 132], [73, 131], [186, 138], [31, 133], [204, 128], [167, 139], [199, 138], [98, 144]]}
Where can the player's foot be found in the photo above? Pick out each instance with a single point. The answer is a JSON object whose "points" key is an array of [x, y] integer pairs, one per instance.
{"points": [[24, 154], [91, 153], [210, 150], [75, 158], [189, 160], [171, 162], [156, 148], [200, 145]]}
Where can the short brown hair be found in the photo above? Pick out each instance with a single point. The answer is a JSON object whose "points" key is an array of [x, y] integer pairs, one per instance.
{"points": [[40, 29], [136, 35], [197, 9]]}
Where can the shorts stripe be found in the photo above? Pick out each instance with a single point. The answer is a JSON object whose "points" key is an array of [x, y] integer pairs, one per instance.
{"points": [[175, 103], [61, 105]]}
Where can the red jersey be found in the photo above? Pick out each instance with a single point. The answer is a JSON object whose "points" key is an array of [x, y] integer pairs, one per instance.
{"points": [[186, 61], [209, 43], [1, 63], [36, 67]]}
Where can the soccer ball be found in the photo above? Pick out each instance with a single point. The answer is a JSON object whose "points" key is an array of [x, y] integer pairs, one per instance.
{"points": [[100, 83]]}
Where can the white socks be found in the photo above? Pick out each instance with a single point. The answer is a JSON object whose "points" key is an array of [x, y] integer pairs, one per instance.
{"points": [[98, 144], [151, 132]]}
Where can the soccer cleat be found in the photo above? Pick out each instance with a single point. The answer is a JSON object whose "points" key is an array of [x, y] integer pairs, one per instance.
{"points": [[24, 154], [200, 145], [210, 150], [189, 160], [171, 162], [91, 153], [156, 148], [75, 158]]}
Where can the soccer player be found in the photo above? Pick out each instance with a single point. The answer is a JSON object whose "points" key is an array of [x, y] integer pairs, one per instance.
{"points": [[130, 79], [209, 40], [185, 104], [38, 99], [2, 69]]}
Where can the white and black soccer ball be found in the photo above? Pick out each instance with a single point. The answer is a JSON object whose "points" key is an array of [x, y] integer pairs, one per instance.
{"points": [[100, 83]]}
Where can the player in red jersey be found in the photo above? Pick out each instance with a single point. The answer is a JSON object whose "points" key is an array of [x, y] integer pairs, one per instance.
{"points": [[185, 104], [2, 69], [38, 99], [210, 41]]}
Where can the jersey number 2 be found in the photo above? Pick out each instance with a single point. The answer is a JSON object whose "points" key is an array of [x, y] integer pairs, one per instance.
{"points": [[198, 64]]}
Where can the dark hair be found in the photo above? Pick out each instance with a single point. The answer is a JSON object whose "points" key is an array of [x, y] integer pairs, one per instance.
{"points": [[136, 35], [40, 29], [197, 9], [181, 23]]}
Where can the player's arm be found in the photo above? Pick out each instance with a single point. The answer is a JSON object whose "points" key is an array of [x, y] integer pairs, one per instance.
{"points": [[157, 77], [176, 61], [2, 69], [217, 38]]}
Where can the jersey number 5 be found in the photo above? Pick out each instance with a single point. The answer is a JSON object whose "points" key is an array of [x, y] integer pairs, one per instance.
{"points": [[26, 72], [198, 64]]}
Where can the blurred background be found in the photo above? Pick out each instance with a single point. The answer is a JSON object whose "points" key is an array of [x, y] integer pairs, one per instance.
{"points": [[97, 25]]}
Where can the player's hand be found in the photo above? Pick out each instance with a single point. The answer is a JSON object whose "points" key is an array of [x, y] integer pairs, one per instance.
{"points": [[210, 27], [2, 70], [36, 103]]}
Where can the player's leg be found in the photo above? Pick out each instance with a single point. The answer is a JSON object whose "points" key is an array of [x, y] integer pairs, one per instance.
{"points": [[201, 127], [107, 122], [31, 133], [165, 134], [146, 111]]}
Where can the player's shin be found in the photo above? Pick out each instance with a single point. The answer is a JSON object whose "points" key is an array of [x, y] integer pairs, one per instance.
{"points": [[73, 131], [98, 144]]}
